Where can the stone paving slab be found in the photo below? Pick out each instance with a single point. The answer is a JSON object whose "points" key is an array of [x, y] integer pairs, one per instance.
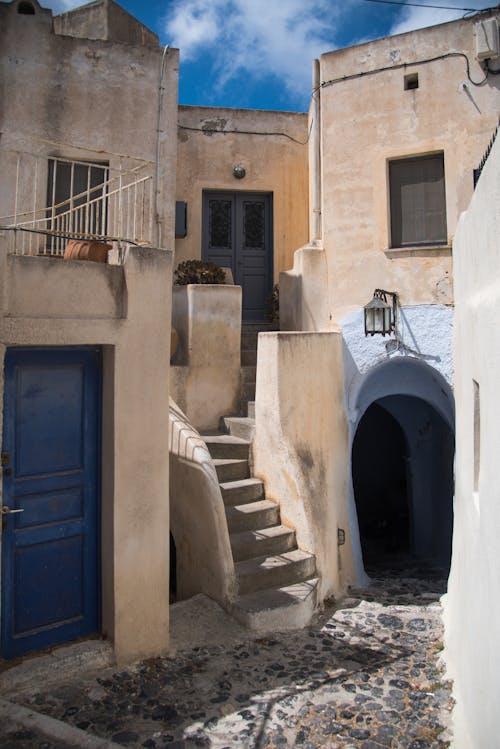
{"points": [[364, 676]]}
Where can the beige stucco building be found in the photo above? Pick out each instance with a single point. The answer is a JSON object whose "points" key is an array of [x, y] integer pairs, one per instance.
{"points": [[243, 171], [88, 147], [395, 129], [347, 454]]}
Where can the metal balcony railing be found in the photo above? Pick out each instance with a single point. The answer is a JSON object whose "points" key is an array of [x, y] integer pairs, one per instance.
{"points": [[117, 210], [479, 169]]}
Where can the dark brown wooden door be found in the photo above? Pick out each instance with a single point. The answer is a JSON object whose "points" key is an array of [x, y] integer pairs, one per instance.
{"points": [[237, 234]]}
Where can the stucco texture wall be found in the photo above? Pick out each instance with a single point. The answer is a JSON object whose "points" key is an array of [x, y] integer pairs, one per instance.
{"points": [[472, 607], [82, 99], [367, 119], [273, 162], [300, 444], [206, 372], [79, 304]]}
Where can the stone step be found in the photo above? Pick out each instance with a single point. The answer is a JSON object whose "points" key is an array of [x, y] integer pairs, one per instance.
{"points": [[274, 571], [248, 374], [252, 515], [249, 334], [239, 426], [226, 446], [274, 540], [247, 391], [275, 609], [242, 491], [249, 357], [231, 469], [251, 409]]}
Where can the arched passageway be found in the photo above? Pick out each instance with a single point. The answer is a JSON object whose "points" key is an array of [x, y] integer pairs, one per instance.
{"points": [[402, 471]]}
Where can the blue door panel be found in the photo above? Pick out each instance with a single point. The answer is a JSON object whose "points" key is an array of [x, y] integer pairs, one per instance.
{"points": [[48, 584], [50, 565], [54, 506], [49, 420]]}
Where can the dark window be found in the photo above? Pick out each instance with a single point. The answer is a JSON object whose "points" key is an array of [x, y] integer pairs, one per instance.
{"points": [[219, 223], [253, 224], [477, 433], [411, 81], [26, 9], [77, 199], [418, 203]]}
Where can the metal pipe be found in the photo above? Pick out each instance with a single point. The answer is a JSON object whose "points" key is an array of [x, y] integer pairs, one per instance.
{"points": [[157, 222], [316, 229]]}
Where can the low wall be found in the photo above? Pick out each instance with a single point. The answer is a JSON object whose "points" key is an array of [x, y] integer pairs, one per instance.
{"points": [[204, 561], [303, 291], [206, 371], [54, 288], [300, 446]]}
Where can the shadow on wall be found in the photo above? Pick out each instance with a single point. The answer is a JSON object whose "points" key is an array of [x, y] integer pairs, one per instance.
{"points": [[402, 464], [202, 553]]}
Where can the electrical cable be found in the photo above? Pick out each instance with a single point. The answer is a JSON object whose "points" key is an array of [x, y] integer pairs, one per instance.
{"points": [[423, 5], [428, 60], [212, 131]]}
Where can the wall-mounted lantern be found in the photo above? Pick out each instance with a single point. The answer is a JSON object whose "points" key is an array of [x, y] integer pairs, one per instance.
{"points": [[380, 316]]}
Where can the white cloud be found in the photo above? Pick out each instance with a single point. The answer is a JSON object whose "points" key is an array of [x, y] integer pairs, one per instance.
{"points": [[61, 6], [257, 37], [418, 18]]}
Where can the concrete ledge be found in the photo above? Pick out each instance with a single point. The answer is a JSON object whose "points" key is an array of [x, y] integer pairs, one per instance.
{"points": [[50, 727], [89, 655]]}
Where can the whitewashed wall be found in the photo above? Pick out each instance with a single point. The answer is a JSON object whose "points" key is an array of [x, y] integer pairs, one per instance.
{"points": [[375, 367], [472, 608]]}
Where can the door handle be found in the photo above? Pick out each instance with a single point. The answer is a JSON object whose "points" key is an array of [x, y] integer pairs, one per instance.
{"points": [[7, 511]]}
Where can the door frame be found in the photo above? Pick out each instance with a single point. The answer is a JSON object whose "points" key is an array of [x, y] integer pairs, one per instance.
{"points": [[8, 424], [228, 194]]}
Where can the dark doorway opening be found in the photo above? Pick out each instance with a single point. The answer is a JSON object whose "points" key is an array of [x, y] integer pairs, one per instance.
{"points": [[402, 471], [379, 455]]}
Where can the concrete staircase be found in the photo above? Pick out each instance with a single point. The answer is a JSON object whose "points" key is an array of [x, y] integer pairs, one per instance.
{"points": [[277, 587], [249, 335]]}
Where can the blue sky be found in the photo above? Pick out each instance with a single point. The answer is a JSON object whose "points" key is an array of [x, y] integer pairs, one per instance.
{"points": [[257, 53]]}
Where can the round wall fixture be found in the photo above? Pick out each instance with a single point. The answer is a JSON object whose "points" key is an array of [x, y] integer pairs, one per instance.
{"points": [[239, 171]]}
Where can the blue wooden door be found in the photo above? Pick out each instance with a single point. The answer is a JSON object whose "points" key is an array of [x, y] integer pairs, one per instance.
{"points": [[237, 233], [50, 462]]}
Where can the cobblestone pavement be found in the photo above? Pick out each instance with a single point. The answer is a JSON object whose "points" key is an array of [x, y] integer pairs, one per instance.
{"points": [[13, 736], [364, 676]]}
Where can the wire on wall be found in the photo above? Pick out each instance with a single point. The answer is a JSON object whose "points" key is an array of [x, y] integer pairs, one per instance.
{"points": [[426, 61], [214, 131]]}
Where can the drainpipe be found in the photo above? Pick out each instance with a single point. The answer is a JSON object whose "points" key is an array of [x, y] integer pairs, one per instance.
{"points": [[316, 229], [157, 223]]}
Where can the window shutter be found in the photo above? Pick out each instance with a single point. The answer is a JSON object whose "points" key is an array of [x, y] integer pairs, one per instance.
{"points": [[417, 201]]}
